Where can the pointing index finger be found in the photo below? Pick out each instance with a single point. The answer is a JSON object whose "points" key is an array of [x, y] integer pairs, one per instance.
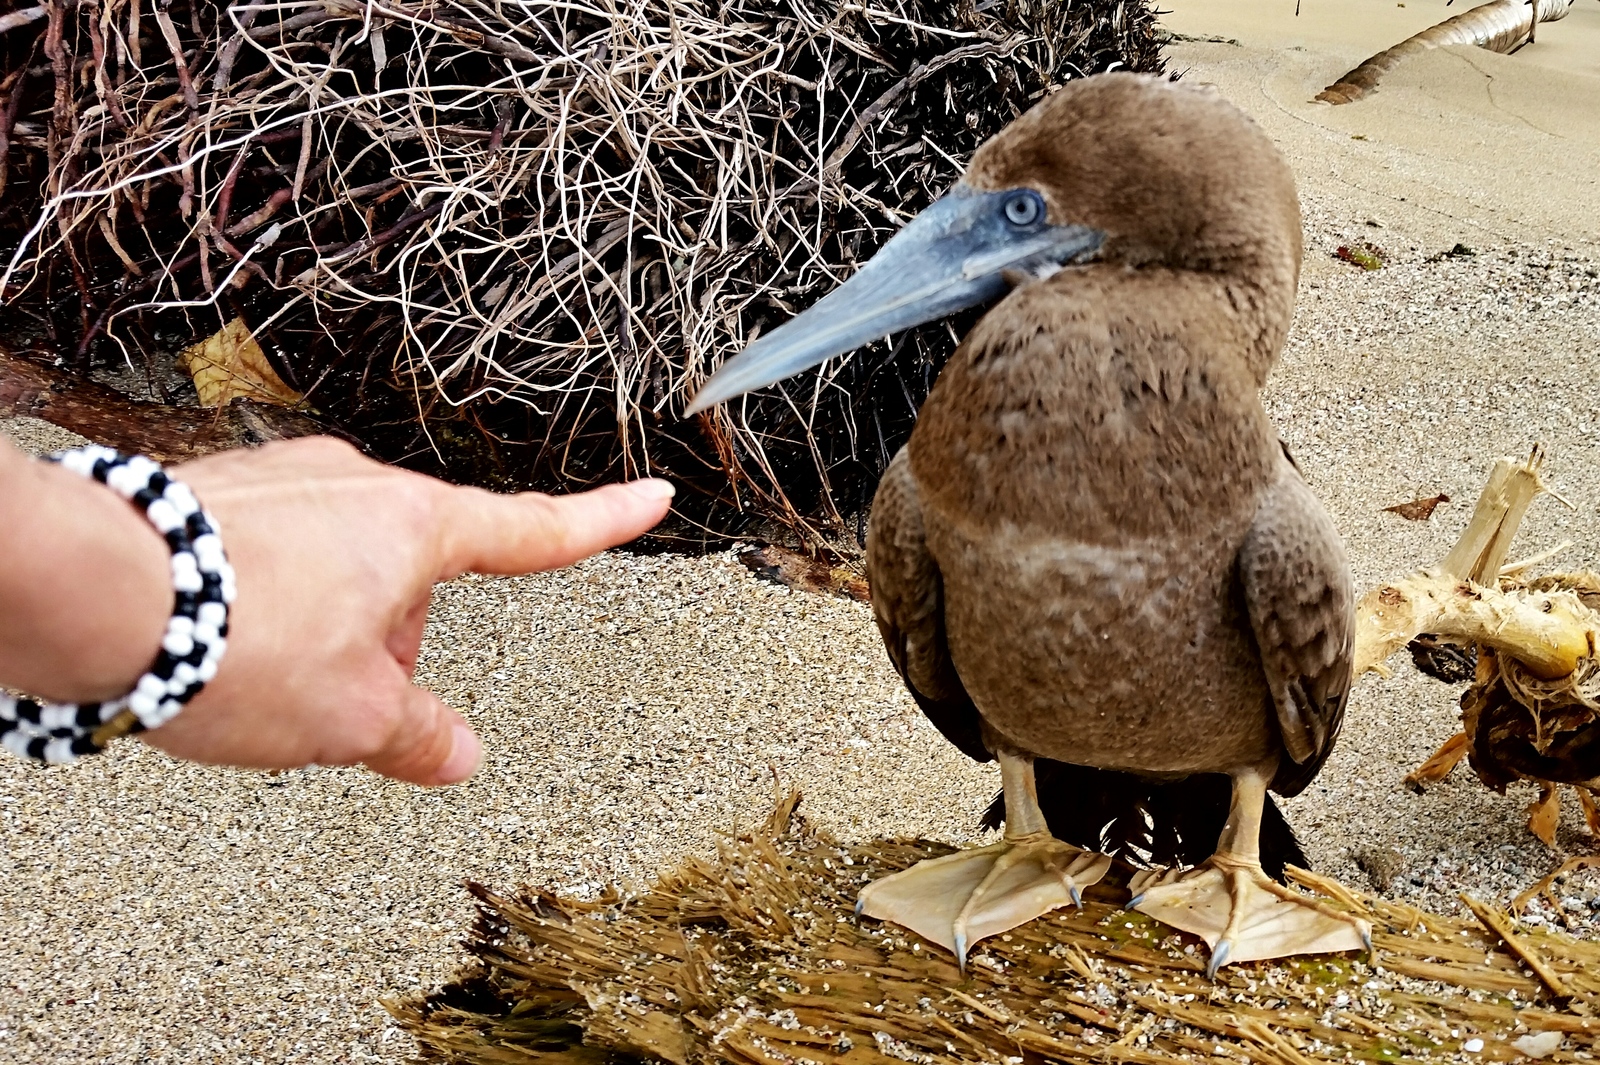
{"points": [[530, 532]]}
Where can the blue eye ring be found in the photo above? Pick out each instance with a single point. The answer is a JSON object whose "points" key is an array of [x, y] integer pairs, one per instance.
{"points": [[1024, 209]]}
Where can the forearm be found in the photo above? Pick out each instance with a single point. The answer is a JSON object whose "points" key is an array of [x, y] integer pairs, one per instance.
{"points": [[84, 584]]}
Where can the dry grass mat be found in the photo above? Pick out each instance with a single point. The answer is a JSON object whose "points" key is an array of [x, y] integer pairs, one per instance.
{"points": [[756, 958]]}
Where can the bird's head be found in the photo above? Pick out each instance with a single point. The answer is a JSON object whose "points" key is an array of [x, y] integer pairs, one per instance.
{"points": [[1120, 169]]}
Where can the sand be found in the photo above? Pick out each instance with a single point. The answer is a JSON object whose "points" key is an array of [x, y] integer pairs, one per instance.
{"points": [[635, 706]]}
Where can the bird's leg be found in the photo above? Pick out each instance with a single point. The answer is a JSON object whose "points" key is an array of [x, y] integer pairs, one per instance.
{"points": [[1241, 913], [961, 898]]}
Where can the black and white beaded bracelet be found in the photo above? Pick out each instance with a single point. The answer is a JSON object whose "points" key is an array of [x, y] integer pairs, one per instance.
{"points": [[191, 647]]}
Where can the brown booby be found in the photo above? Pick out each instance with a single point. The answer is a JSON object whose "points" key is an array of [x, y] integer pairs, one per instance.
{"points": [[1094, 548]]}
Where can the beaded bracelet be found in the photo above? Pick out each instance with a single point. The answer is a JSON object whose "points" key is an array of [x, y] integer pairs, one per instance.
{"points": [[191, 647]]}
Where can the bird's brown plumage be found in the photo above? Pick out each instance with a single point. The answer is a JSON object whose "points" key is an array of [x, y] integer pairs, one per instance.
{"points": [[1094, 551], [1094, 548]]}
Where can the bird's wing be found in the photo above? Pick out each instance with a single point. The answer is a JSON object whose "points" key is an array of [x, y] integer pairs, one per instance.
{"points": [[1296, 584], [908, 603]]}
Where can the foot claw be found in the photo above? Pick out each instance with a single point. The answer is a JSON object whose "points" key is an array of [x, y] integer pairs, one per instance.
{"points": [[1077, 896], [1219, 958], [861, 901], [1133, 903]]}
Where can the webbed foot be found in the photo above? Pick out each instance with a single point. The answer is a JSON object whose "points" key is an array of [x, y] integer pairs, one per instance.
{"points": [[961, 898], [1245, 915]]}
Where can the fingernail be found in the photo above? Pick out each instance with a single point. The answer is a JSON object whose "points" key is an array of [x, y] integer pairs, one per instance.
{"points": [[466, 755], [652, 488]]}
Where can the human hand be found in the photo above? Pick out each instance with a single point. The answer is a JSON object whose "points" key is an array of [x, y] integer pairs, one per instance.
{"points": [[336, 556]]}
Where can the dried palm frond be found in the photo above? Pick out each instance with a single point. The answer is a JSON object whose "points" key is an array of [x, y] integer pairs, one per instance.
{"points": [[756, 958], [1500, 26]]}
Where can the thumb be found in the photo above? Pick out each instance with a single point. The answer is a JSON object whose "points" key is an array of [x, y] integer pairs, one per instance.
{"points": [[431, 744]]}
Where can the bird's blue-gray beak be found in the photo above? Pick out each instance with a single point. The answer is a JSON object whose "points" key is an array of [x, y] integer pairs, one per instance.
{"points": [[962, 251]]}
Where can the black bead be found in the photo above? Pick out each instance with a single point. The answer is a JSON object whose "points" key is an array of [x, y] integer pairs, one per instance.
{"points": [[102, 468], [165, 665], [137, 727], [143, 498], [177, 540], [36, 748], [63, 732], [85, 745], [198, 526], [190, 692], [186, 604], [28, 710], [159, 481], [196, 656], [223, 631], [88, 715], [211, 586]]}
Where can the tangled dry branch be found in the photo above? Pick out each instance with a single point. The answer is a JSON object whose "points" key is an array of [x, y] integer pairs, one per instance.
{"points": [[504, 239]]}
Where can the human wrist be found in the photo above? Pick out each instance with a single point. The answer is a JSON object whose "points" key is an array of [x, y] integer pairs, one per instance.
{"points": [[86, 585]]}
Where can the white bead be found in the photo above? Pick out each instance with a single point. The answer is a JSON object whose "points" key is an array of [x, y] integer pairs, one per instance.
{"points": [[167, 711], [213, 614], [175, 686], [151, 685], [163, 515], [185, 562], [205, 634], [229, 590], [123, 481], [176, 644], [218, 648], [56, 715], [8, 707], [187, 581], [180, 624], [16, 743], [179, 496], [143, 705], [207, 669], [59, 751], [112, 709], [79, 462], [143, 467]]}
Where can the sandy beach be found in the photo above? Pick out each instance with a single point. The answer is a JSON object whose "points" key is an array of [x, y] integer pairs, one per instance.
{"points": [[633, 707]]}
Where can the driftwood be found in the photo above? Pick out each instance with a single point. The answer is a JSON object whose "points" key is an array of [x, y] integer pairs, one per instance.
{"points": [[756, 958], [166, 434], [1500, 26], [1532, 710]]}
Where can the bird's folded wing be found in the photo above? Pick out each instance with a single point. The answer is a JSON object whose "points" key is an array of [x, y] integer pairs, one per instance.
{"points": [[1296, 584], [908, 603]]}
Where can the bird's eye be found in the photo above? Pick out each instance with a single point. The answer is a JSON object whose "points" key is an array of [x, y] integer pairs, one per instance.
{"points": [[1025, 208]]}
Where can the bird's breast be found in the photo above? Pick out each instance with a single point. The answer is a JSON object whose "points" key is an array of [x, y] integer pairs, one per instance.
{"points": [[1132, 656]]}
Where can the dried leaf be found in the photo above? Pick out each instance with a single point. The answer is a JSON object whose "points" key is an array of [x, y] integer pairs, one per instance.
{"points": [[230, 364], [1418, 509], [1544, 814], [1364, 254]]}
